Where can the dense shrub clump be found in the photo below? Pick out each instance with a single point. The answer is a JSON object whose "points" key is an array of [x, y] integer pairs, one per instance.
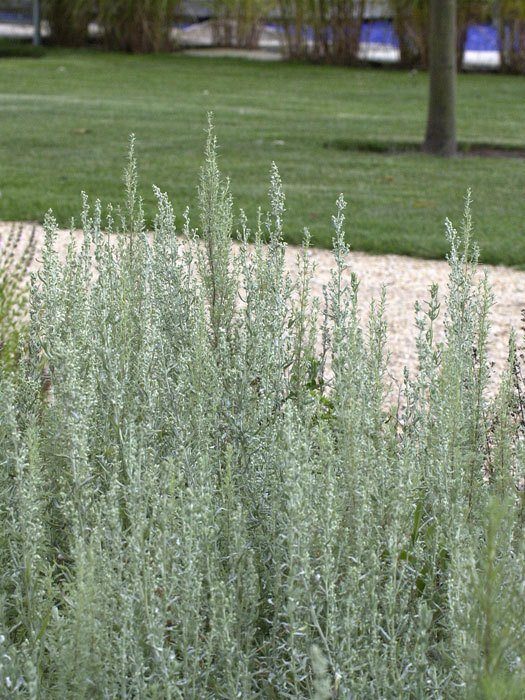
{"points": [[205, 495]]}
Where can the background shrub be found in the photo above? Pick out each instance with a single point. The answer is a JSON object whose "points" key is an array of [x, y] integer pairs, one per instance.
{"points": [[512, 35], [138, 26], [327, 31], [68, 20], [411, 18], [239, 22]]}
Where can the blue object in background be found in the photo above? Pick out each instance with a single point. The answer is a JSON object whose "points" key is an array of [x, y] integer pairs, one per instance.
{"points": [[14, 17], [379, 32], [482, 37]]}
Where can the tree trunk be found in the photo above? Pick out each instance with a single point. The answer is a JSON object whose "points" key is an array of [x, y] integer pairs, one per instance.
{"points": [[37, 16], [441, 125]]}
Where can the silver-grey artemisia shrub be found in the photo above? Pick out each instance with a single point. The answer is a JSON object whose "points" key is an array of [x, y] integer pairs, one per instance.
{"points": [[203, 494], [17, 253]]}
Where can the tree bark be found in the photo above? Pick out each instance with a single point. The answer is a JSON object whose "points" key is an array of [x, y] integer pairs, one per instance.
{"points": [[440, 136]]}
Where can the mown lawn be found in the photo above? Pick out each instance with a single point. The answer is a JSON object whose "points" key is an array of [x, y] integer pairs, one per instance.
{"points": [[65, 120]]}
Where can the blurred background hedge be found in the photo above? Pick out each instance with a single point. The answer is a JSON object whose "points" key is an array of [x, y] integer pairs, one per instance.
{"points": [[328, 31]]}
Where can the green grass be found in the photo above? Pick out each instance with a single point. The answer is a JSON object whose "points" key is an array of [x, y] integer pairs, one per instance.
{"points": [[65, 119]]}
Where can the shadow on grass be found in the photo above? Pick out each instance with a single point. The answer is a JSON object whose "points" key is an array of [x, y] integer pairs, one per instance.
{"points": [[465, 148], [15, 48]]}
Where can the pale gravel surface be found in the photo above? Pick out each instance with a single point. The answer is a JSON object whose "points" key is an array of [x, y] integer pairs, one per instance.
{"points": [[406, 280]]}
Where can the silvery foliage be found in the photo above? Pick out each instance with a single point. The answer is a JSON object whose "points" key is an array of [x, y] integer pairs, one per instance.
{"points": [[203, 492]]}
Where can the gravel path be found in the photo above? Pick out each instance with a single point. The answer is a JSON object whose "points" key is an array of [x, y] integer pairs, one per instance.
{"points": [[406, 280]]}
